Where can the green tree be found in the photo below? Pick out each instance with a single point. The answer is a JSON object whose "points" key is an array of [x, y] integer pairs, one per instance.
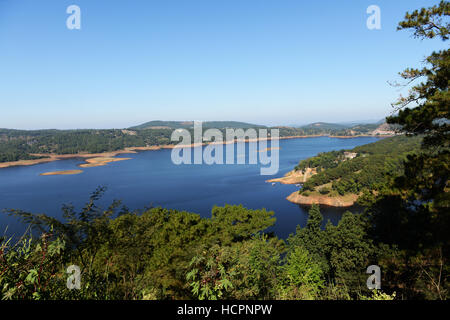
{"points": [[349, 250], [301, 277], [241, 270], [312, 238], [30, 268], [431, 98], [412, 214], [211, 273]]}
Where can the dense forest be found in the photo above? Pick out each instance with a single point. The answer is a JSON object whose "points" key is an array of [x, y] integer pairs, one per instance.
{"points": [[190, 125], [168, 254]]}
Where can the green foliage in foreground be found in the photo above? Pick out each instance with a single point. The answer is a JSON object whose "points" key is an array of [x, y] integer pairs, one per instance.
{"points": [[169, 254]]}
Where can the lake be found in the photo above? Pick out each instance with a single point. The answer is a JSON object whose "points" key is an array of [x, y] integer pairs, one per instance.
{"points": [[151, 179]]}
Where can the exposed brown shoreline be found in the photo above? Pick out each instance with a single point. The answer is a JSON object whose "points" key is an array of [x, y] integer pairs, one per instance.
{"points": [[338, 201], [294, 177], [56, 157], [58, 173], [297, 177], [100, 161]]}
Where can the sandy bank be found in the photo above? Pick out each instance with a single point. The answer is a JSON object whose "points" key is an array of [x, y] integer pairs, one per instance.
{"points": [[337, 201], [26, 162], [100, 161], [57, 173], [365, 135], [294, 177], [49, 157]]}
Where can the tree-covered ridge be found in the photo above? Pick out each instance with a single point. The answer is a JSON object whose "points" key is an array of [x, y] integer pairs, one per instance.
{"points": [[367, 167], [339, 130], [158, 124]]}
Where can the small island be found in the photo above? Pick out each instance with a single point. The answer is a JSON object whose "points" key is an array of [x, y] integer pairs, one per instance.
{"points": [[100, 161], [58, 173], [90, 162]]}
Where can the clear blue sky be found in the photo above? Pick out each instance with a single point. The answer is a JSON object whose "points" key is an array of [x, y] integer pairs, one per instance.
{"points": [[261, 61]]}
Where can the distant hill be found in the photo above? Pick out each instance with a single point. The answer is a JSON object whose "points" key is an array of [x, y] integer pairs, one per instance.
{"points": [[325, 126], [317, 128], [158, 124], [339, 129], [359, 122]]}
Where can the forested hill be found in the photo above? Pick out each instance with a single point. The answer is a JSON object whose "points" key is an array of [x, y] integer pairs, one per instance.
{"points": [[367, 167], [157, 124]]}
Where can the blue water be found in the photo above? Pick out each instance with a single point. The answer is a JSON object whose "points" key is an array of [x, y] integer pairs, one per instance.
{"points": [[151, 179]]}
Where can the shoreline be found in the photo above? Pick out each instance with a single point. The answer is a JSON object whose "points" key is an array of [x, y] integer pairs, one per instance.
{"points": [[297, 177], [294, 177], [338, 202], [60, 173], [100, 161], [50, 157]]}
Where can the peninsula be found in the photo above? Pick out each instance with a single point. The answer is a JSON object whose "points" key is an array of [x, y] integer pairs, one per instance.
{"points": [[340, 178]]}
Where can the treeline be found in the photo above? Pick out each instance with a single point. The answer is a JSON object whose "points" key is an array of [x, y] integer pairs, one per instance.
{"points": [[369, 167], [331, 130], [22, 144], [158, 124]]}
